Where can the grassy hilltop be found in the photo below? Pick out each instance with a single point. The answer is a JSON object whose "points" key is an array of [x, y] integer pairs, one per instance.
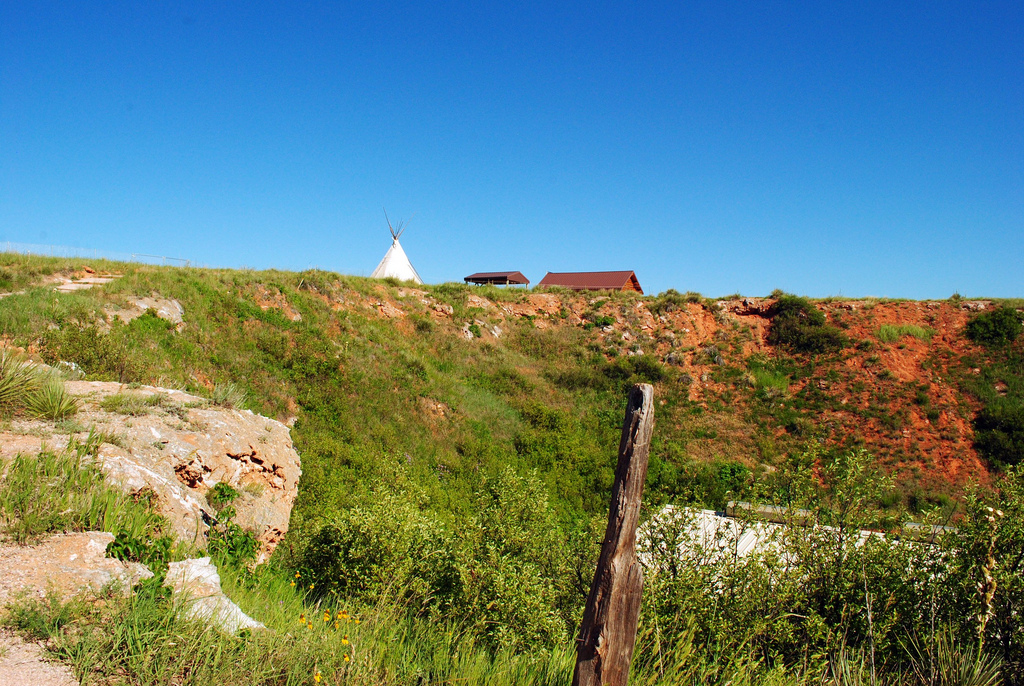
{"points": [[458, 443]]}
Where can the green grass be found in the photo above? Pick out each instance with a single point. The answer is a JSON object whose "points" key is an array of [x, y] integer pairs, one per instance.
{"points": [[56, 492], [890, 333], [134, 404], [770, 383]]}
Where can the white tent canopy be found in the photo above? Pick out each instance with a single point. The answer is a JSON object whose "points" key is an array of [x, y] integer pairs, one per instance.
{"points": [[396, 263]]}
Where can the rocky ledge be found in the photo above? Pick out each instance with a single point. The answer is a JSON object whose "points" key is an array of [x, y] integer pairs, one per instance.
{"points": [[177, 447]]}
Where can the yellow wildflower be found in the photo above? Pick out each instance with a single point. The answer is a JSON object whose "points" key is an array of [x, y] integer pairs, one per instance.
{"points": [[344, 641], [302, 617], [309, 625], [317, 677], [346, 658], [293, 583]]}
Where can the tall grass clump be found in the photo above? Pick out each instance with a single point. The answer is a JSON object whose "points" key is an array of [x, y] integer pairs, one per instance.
{"points": [[229, 395], [133, 404], [672, 300], [63, 491], [890, 333], [770, 384]]}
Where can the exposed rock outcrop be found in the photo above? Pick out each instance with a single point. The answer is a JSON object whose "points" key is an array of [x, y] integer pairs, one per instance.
{"points": [[165, 308], [177, 446]]}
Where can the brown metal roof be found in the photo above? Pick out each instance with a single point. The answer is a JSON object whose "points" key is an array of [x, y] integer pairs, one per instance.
{"points": [[503, 277], [593, 281]]}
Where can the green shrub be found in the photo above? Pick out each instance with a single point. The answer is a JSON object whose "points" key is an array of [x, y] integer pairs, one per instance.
{"points": [[635, 369], [154, 552], [999, 432], [221, 495], [378, 550], [598, 320], [230, 544], [505, 573], [799, 326], [102, 356], [997, 327], [890, 333]]}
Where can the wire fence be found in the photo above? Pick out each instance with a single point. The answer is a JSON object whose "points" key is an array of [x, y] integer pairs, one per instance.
{"points": [[66, 251]]}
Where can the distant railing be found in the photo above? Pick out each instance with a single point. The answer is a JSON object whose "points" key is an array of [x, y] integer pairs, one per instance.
{"points": [[66, 251]]}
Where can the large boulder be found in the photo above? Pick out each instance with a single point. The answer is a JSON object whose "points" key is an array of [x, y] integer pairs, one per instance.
{"points": [[177, 447]]}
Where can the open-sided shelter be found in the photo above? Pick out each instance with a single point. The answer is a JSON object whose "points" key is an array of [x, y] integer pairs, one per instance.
{"points": [[498, 278], [593, 281]]}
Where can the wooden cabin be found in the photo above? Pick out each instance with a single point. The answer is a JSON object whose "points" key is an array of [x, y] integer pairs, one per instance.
{"points": [[593, 281]]}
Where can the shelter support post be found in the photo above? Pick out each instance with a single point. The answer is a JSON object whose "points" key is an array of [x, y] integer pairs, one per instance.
{"points": [[604, 648]]}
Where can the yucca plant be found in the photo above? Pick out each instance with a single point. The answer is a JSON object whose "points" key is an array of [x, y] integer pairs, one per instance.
{"points": [[52, 401], [946, 662], [18, 379]]}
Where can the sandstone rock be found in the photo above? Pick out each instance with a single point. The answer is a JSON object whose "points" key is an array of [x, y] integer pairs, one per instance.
{"points": [[477, 301], [66, 564], [196, 585], [181, 448], [165, 308]]}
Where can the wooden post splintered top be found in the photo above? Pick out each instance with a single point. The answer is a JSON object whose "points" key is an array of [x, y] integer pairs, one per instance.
{"points": [[607, 637]]}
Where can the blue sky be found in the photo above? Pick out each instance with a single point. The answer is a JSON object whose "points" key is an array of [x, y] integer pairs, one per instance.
{"points": [[823, 148]]}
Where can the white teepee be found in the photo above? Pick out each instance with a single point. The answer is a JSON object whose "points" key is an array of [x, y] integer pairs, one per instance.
{"points": [[396, 263]]}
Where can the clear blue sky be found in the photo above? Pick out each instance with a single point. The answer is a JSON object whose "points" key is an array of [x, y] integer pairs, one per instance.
{"points": [[824, 148]]}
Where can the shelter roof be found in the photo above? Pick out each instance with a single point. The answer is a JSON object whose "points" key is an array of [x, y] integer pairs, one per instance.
{"points": [[497, 277]]}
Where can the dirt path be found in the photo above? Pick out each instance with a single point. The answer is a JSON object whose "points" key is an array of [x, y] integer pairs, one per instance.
{"points": [[22, 663], [63, 284]]}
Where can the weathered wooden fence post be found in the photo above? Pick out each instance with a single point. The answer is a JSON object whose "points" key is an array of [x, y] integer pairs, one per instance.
{"points": [[604, 648]]}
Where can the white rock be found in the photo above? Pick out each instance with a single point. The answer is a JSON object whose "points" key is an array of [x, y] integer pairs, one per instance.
{"points": [[196, 585]]}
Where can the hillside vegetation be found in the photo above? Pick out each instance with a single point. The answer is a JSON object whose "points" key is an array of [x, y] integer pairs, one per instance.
{"points": [[458, 444]]}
